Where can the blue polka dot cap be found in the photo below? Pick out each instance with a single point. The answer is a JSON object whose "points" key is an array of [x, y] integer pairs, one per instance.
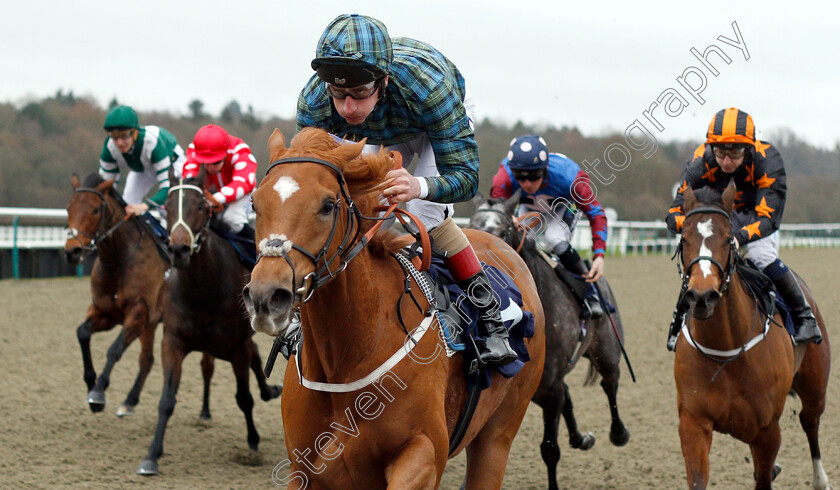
{"points": [[527, 152]]}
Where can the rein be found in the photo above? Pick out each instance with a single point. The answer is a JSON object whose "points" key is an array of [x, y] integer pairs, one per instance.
{"points": [[513, 224], [351, 243]]}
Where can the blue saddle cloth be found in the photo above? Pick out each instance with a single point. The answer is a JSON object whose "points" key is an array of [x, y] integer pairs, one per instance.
{"points": [[246, 249], [520, 323]]}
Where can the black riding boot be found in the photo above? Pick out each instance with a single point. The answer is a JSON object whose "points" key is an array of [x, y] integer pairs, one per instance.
{"points": [[247, 232], [495, 349], [806, 326], [570, 261], [676, 322]]}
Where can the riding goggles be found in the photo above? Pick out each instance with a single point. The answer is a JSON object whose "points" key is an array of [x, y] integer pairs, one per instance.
{"points": [[529, 175], [734, 152], [360, 92]]}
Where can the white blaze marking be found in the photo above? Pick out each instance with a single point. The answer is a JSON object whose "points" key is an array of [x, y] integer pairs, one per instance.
{"points": [[286, 186], [705, 229]]}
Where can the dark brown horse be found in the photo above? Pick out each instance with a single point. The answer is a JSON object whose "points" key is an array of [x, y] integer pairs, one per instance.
{"points": [[357, 414], [126, 282], [203, 311], [563, 342], [733, 367]]}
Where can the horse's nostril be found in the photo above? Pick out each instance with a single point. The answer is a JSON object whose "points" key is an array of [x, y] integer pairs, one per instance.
{"points": [[281, 299], [691, 296]]}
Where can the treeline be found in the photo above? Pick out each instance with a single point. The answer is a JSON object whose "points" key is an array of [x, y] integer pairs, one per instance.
{"points": [[43, 143]]}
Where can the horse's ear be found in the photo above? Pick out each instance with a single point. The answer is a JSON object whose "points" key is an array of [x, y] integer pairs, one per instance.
{"points": [[276, 144], [689, 199], [74, 181], [172, 180], [729, 196], [105, 186], [512, 201], [347, 152], [477, 200]]}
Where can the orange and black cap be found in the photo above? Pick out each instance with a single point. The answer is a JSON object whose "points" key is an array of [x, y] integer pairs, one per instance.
{"points": [[731, 126]]}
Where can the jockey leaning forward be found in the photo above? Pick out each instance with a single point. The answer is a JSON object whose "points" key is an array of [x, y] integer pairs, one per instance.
{"points": [[147, 151], [407, 96], [555, 186], [231, 174], [731, 152]]}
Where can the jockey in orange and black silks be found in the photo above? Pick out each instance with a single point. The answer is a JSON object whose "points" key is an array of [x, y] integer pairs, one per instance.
{"points": [[731, 152]]}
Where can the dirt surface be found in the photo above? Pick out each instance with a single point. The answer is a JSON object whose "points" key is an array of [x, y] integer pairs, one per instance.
{"points": [[48, 437]]}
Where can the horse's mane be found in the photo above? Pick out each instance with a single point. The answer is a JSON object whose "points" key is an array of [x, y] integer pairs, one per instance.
{"points": [[364, 174], [709, 196]]}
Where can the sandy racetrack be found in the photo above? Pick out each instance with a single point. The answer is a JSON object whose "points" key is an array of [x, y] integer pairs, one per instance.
{"points": [[48, 437]]}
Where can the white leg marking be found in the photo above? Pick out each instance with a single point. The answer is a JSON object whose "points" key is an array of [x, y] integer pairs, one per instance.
{"points": [[820, 478]]}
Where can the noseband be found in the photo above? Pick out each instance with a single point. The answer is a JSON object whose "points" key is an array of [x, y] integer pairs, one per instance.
{"points": [[195, 238], [726, 272], [101, 234]]}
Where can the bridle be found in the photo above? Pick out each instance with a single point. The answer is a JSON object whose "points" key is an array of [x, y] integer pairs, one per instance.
{"points": [[726, 272], [101, 234], [512, 224], [351, 243], [196, 239]]}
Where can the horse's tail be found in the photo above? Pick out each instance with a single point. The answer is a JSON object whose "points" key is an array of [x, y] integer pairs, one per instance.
{"points": [[592, 375]]}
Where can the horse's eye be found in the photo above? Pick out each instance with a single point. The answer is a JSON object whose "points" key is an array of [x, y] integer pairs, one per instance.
{"points": [[327, 208], [96, 211]]}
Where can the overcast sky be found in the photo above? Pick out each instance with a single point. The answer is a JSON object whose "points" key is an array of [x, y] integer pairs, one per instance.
{"points": [[594, 65]]}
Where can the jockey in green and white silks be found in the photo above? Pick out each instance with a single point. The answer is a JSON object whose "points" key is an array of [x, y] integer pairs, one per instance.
{"points": [[148, 152]]}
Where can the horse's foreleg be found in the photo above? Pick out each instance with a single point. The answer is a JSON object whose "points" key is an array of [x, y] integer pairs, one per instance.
{"points": [[696, 441], [764, 450], [266, 392], [83, 333], [607, 364], [549, 449], [173, 357], [135, 319], [207, 368], [147, 358], [576, 439], [244, 399], [414, 466]]}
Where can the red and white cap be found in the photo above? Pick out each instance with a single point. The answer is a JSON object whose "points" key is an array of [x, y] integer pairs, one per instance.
{"points": [[211, 144]]}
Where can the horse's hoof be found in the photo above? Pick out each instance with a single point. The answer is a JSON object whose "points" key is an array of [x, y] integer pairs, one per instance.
{"points": [[776, 470], [272, 392], [585, 442], [96, 401], [205, 417], [148, 468], [125, 410], [620, 437]]}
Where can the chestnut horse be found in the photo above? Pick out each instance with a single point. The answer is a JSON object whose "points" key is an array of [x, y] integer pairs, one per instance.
{"points": [[126, 282], [734, 368], [309, 217], [203, 311], [563, 343]]}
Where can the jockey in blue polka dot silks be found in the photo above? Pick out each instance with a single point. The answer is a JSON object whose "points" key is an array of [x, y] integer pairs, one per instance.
{"points": [[556, 187]]}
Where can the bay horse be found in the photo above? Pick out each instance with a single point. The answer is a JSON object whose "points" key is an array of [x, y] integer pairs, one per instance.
{"points": [[562, 334], [127, 282], [314, 201], [203, 311], [733, 369]]}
